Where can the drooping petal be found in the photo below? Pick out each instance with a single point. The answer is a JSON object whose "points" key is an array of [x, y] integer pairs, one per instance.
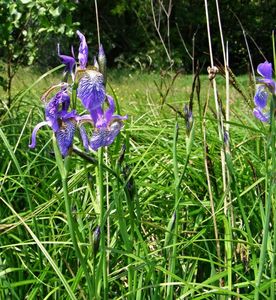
{"points": [[65, 136], [53, 110], [264, 117], [260, 97], [265, 70], [105, 136], [51, 113], [117, 117], [109, 112], [37, 127], [84, 118], [91, 90], [84, 137], [83, 51]]}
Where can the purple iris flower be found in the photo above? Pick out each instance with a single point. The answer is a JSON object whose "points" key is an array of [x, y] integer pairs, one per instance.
{"points": [[266, 85], [62, 122], [107, 125], [265, 70], [91, 88], [70, 61]]}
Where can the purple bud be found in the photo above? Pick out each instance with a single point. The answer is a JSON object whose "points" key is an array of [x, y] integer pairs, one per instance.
{"points": [[188, 115], [102, 62], [96, 239]]}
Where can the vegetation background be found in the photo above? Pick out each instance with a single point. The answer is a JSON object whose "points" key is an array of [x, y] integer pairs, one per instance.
{"points": [[189, 212]]}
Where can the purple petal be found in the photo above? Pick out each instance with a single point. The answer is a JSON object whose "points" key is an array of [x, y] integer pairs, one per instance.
{"points": [[68, 115], [84, 118], [52, 108], [64, 99], [269, 83], [109, 112], [83, 51], [84, 137], [51, 113], [37, 127], [105, 136], [119, 117], [260, 97], [65, 136], [264, 117], [91, 90], [68, 61], [97, 116], [265, 70]]}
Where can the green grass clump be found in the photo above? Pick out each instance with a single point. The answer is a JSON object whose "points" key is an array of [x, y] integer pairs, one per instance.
{"points": [[160, 237]]}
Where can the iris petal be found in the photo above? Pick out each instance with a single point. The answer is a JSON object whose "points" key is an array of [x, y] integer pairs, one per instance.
{"points": [[109, 112], [83, 51], [91, 90], [265, 70], [105, 136], [264, 117], [68, 61], [65, 136], [37, 127], [260, 97], [84, 137]]}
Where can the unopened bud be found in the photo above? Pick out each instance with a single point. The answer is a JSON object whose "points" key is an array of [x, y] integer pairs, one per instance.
{"points": [[102, 62], [96, 65], [188, 115], [96, 239]]}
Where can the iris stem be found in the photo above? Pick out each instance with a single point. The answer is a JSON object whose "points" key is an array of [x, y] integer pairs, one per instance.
{"points": [[103, 261], [271, 152], [176, 213], [64, 167]]}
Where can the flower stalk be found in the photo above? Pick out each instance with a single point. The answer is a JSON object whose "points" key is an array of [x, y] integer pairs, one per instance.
{"points": [[271, 152], [103, 258], [64, 167], [266, 87]]}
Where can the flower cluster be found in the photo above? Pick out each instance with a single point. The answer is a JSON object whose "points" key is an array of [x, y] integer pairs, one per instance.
{"points": [[90, 83], [266, 85]]}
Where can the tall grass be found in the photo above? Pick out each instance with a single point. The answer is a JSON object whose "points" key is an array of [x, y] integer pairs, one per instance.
{"points": [[159, 238], [178, 207]]}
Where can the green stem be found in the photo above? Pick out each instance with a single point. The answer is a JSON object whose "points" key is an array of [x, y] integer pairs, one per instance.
{"points": [[73, 229], [268, 206], [176, 213], [273, 266], [103, 261], [234, 185]]}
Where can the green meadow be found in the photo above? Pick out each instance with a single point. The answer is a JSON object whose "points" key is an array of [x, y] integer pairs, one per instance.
{"points": [[183, 213]]}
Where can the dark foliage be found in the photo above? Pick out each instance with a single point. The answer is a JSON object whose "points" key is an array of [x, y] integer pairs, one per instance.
{"points": [[131, 40]]}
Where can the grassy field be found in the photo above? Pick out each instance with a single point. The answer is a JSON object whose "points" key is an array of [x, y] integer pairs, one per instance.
{"points": [[183, 215]]}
